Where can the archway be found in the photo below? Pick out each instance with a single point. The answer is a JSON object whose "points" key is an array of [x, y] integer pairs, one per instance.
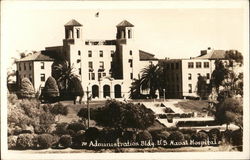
{"points": [[106, 91], [118, 91], [95, 91]]}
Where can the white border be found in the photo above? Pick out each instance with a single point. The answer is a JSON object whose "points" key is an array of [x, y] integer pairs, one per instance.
{"points": [[14, 5]]}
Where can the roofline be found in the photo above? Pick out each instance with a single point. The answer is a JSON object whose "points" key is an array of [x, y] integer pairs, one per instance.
{"points": [[31, 60]]}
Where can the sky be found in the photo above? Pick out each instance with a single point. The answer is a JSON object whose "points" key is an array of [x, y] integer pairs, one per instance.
{"points": [[174, 32]]}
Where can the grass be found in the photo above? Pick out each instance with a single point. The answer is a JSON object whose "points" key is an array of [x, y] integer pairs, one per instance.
{"points": [[193, 106]]}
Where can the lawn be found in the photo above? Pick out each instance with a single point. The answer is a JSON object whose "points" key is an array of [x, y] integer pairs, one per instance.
{"points": [[193, 106]]}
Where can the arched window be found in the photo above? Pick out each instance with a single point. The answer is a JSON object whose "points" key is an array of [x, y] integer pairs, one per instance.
{"points": [[129, 34], [118, 91], [106, 91], [77, 33], [95, 91]]}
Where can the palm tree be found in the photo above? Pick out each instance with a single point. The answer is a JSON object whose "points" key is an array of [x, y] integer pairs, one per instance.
{"points": [[152, 79], [135, 89]]}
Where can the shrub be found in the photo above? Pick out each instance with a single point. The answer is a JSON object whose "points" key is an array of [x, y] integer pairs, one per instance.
{"points": [[76, 126], [188, 131], [47, 107], [129, 136], [25, 141], [78, 138], [59, 109], [12, 98], [65, 141], [214, 134], [27, 90], [200, 136], [187, 137], [50, 90], [143, 136], [12, 142], [159, 135], [176, 136], [237, 137], [44, 141], [61, 128], [92, 134]]}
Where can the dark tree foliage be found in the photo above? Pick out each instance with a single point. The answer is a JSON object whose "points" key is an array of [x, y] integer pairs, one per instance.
{"points": [[203, 89], [59, 109], [135, 89], [75, 87], [116, 114], [27, 90], [152, 79], [234, 55], [219, 74], [50, 91], [230, 111], [176, 136]]}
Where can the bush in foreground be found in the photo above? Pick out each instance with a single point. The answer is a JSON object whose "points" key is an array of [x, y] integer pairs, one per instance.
{"points": [[12, 142], [144, 136], [27, 90], [65, 141], [44, 141], [25, 141], [176, 136]]}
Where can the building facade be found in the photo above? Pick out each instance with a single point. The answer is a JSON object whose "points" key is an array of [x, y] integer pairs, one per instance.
{"points": [[181, 75], [106, 67]]}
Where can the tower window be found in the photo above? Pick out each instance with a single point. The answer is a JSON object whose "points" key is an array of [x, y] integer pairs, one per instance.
{"points": [[101, 53], [131, 75], [89, 53], [172, 65], [130, 52], [177, 66], [77, 33], [79, 53], [93, 76], [42, 77], [24, 65], [80, 71], [78, 61], [208, 76], [129, 34], [90, 65], [101, 65], [42, 65]]}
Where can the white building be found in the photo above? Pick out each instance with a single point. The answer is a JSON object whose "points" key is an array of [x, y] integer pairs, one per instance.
{"points": [[106, 67], [182, 74]]}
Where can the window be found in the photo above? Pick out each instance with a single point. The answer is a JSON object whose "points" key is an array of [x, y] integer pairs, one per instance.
{"points": [[43, 77], [131, 75], [198, 74], [30, 77], [208, 76], [129, 34], [77, 33], [101, 53], [89, 53], [24, 66], [30, 66], [93, 76], [189, 76], [198, 64], [99, 76], [103, 74], [177, 88], [177, 66], [90, 65], [78, 61], [190, 64], [89, 76], [172, 65], [80, 71], [177, 77], [112, 53], [130, 52], [79, 53], [42, 65], [189, 88], [20, 67], [130, 61], [101, 65], [206, 64]]}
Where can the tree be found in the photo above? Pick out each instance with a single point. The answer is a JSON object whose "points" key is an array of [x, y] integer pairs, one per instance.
{"points": [[50, 91], [135, 89], [75, 88], [58, 109], [152, 79], [116, 114], [230, 111], [27, 90], [202, 87]]}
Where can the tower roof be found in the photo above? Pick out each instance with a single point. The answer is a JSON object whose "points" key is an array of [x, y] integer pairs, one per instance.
{"points": [[125, 23], [73, 22]]}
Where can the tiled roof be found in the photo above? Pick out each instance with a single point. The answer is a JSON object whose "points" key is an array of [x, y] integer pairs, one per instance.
{"points": [[36, 57], [125, 23], [215, 54], [73, 23], [146, 56]]}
